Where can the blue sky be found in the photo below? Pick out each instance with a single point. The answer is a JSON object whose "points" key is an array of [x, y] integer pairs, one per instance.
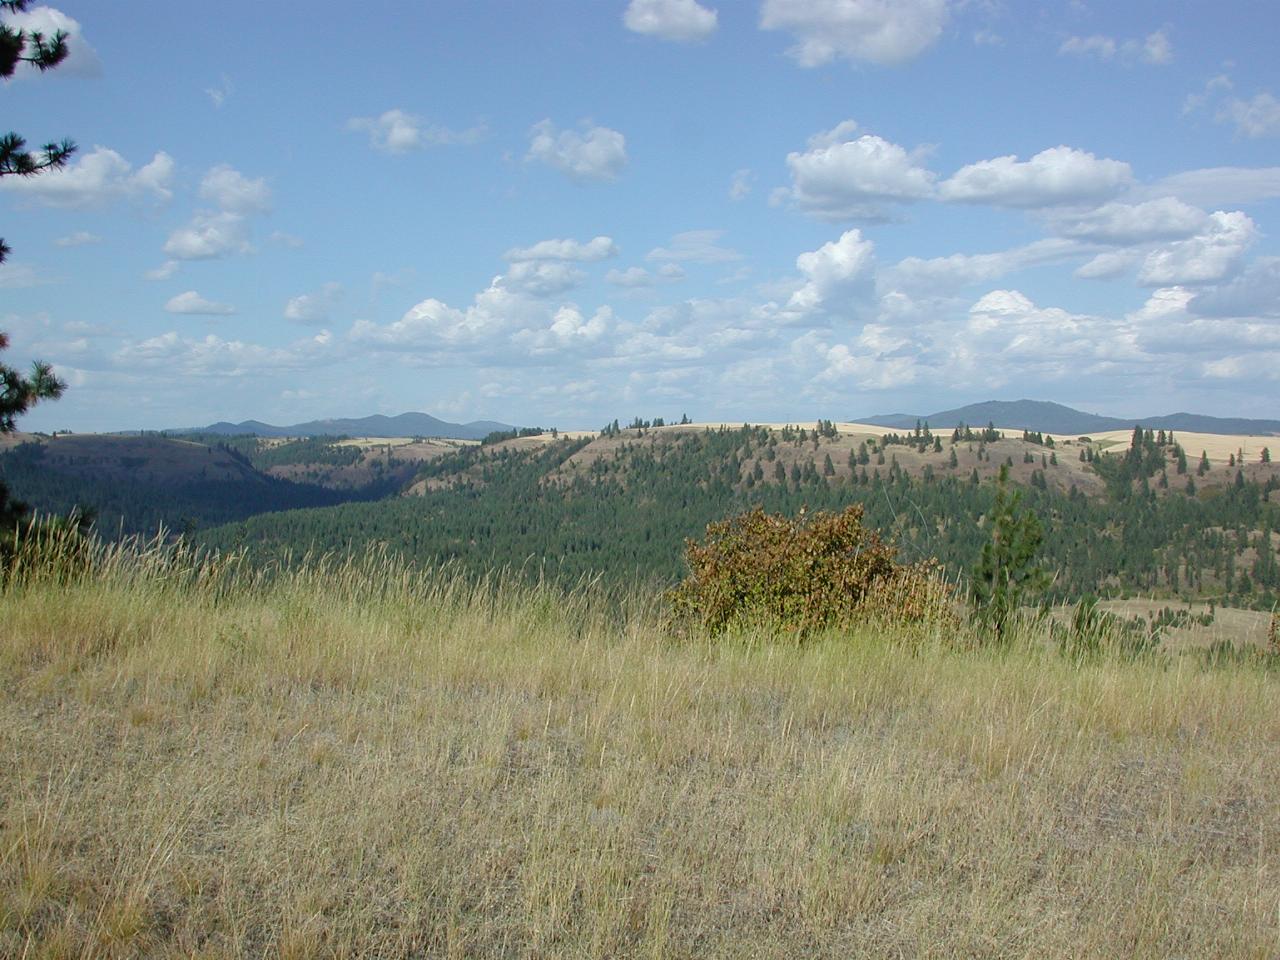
{"points": [[563, 213]]}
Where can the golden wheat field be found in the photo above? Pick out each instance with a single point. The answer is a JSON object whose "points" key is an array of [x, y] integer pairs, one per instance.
{"points": [[360, 760]]}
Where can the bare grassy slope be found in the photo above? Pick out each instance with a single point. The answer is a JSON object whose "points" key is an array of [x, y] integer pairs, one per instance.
{"points": [[374, 763]]}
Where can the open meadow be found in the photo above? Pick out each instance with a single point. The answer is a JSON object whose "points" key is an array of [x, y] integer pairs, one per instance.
{"points": [[363, 760]]}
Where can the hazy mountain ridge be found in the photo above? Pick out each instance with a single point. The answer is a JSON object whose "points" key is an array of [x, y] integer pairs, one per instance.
{"points": [[378, 425], [1048, 417]]}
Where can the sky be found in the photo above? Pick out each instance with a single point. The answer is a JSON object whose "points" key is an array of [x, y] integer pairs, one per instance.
{"points": [[567, 212]]}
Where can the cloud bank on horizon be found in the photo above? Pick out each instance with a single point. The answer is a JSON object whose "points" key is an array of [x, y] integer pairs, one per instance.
{"points": [[769, 211]]}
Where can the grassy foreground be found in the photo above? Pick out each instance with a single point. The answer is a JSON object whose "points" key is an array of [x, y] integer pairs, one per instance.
{"points": [[355, 761]]}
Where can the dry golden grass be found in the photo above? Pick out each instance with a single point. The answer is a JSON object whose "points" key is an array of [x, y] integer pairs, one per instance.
{"points": [[365, 761], [1218, 446]]}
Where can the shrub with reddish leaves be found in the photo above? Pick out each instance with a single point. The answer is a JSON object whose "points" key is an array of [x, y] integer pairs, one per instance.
{"points": [[801, 575]]}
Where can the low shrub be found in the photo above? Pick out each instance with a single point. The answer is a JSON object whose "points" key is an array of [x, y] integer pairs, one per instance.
{"points": [[801, 575]]}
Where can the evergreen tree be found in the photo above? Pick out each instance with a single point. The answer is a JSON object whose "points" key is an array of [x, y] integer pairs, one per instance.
{"points": [[44, 53], [1006, 574], [17, 392]]}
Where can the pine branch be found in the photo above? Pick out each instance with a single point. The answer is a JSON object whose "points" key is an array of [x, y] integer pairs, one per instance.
{"points": [[16, 160], [46, 54]]}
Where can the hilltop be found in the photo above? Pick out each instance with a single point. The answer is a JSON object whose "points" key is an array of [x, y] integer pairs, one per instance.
{"points": [[617, 506], [1048, 417], [403, 425]]}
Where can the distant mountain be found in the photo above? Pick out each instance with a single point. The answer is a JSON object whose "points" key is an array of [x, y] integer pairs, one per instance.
{"points": [[404, 425], [1047, 417]]}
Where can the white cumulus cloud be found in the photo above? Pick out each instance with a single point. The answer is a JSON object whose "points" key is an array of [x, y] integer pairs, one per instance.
{"points": [[1129, 223], [1208, 257], [96, 178], [876, 31], [635, 277], [1256, 117], [1255, 292], [542, 278], [834, 273], [874, 361], [1108, 265], [1059, 175], [569, 329], [684, 21], [192, 303], [218, 94], [597, 248], [843, 177], [82, 60], [1155, 48], [231, 190], [213, 234], [631, 277], [1104, 48], [597, 153], [209, 236], [313, 307], [434, 333], [398, 131], [936, 276], [165, 271], [1006, 335], [212, 356]]}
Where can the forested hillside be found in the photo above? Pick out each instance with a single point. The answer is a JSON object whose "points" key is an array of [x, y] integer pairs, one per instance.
{"points": [[1148, 518], [140, 485], [618, 507]]}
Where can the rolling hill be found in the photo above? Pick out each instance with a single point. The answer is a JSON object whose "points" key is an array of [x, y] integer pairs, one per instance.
{"points": [[136, 485], [1048, 417], [403, 425], [618, 504]]}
